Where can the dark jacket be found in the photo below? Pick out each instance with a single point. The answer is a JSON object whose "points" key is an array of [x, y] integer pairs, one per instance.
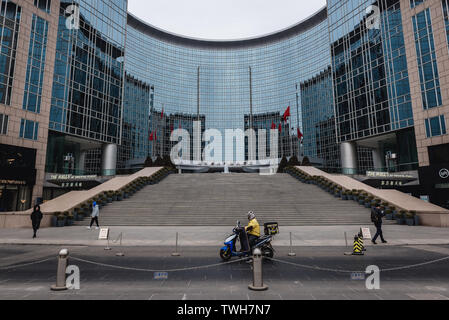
{"points": [[379, 214], [36, 217]]}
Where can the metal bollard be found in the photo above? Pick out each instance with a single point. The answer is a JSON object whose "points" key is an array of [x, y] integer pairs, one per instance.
{"points": [[62, 267], [291, 254], [257, 272], [176, 253]]}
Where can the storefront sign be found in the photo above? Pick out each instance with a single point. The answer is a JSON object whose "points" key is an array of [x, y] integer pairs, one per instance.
{"points": [[13, 182], [70, 177], [388, 175]]}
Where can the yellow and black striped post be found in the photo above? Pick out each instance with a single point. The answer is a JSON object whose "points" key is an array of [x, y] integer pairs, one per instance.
{"points": [[361, 242], [358, 249]]}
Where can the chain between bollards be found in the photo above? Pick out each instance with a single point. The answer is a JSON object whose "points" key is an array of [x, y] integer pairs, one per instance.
{"points": [[63, 258]]}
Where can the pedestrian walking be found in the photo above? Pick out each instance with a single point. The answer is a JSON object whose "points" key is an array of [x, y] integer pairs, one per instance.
{"points": [[95, 214], [376, 217], [36, 218]]}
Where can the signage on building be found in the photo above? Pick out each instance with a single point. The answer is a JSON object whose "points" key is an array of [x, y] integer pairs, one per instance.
{"points": [[13, 182], [388, 175], [444, 173], [70, 177]]}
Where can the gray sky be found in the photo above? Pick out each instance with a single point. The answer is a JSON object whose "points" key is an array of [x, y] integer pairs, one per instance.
{"points": [[223, 19]]}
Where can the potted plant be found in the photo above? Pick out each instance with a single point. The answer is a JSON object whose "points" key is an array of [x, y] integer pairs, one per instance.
{"points": [[81, 212], [416, 218], [388, 214], [70, 218], [400, 217], [75, 213], [61, 220], [368, 201], [410, 218], [361, 200], [54, 219], [119, 195], [344, 195]]}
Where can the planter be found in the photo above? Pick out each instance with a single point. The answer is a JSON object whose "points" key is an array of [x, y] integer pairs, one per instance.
{"points": [[60, 223], [109, 200], [69, 222], [416, 220], [400, 221], [410, 222], [367, 205], [389, 216], [345, 197], [54, 221], [80, 216]]}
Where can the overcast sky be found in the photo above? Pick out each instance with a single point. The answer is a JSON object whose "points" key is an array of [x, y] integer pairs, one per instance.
{"points": [[223, 19]]}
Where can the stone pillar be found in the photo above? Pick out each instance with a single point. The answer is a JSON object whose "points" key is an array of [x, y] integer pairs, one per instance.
{"points": [[80, 162], [349, 158], [109, 160], [378, 160]]}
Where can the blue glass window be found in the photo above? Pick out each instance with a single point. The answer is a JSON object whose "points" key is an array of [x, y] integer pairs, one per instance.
{"points": [[29, 129], [36, 64], [44, 5], [415, 3], [435, 126], [9, 32], [3, 123], [427, 63]]}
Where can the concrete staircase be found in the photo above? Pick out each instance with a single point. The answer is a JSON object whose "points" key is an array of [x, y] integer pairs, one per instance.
{"points": [[222, 199]]}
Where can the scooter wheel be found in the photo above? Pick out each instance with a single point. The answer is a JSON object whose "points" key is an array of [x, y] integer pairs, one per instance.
{"points": [[225, 255], [268, 252]]}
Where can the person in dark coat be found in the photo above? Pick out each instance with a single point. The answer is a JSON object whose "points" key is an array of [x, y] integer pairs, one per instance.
{"points": [[36, 218], [376, 216]]}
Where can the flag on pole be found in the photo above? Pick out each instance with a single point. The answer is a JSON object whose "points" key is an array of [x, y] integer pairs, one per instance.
{"points": [[151, 138], [300, 135], [280, 128], [287, 114], [162, 114], [273, 126]]}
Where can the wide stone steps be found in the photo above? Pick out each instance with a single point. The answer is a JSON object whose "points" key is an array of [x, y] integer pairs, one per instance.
{"points": [[222, 199]]}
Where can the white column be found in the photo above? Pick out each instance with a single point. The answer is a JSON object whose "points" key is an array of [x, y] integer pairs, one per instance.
{"points": [[378, 160], [349, 157], [109, 160], [80, 163]]}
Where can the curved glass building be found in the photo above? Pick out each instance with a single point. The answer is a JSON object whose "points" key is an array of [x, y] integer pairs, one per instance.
{"points": [[226, 84], [90, 90]]}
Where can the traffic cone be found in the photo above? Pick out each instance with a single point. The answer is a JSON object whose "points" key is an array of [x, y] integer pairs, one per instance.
{"points": [[361, 242], [358, 250]]}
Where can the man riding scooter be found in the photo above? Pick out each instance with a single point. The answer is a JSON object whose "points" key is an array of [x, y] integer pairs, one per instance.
{"points": [[250, 234]]}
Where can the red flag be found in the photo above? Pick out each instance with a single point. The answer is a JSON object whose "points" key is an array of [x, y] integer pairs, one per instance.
{"points": [[280, 127], [287, 114], [155, 136], [273, 126], [151, 136], [171, 128], [300, 135]]}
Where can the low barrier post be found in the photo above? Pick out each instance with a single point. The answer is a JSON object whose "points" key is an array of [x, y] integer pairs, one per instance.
{"points": [[63, 258], [257, 284]]}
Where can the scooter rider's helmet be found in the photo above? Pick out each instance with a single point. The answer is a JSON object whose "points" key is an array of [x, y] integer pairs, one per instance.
{"points": [[251, 216]]}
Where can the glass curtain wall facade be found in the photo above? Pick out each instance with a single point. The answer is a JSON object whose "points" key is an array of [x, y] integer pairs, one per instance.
{"points": [[370, 74], [88, 82], [226, 85]]}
